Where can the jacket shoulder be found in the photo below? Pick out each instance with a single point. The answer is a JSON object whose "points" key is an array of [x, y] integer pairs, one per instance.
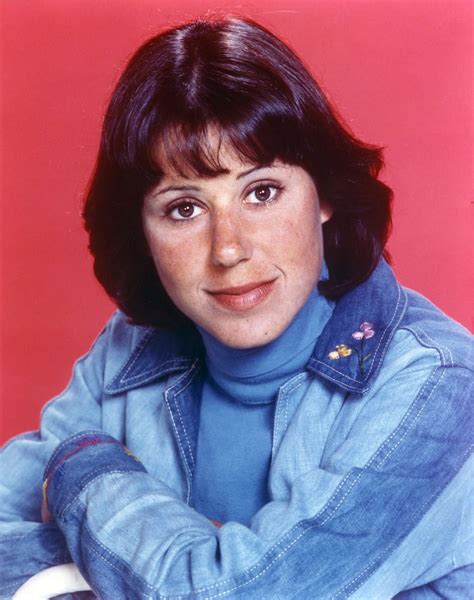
{"points": [[434, 329]]}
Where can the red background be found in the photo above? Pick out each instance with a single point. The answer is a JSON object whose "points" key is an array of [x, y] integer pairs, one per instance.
{"points": [[398, 70]]}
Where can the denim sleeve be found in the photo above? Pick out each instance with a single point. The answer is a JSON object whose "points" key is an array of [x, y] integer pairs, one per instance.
{"points": [[457, 584], [27, 545], [133, 538]]}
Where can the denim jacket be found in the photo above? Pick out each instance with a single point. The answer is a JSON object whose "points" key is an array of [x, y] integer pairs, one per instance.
{"points": [[368, 481]]}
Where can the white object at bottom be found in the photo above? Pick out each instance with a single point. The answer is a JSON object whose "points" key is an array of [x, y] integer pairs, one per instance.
{"points": [[63, 579]]}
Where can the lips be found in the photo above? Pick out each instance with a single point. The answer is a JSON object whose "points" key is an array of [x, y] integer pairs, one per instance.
{"points": [[243, 297]]}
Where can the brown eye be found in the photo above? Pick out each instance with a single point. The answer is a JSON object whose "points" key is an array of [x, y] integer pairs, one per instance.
{"points": [[263, 193], [186, 210]]}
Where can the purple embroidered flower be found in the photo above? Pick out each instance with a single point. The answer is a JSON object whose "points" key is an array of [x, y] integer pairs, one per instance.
{"points": [[366, 331]]}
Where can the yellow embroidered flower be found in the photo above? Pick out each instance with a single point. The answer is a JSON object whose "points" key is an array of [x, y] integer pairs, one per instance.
{"points": [[341, 351]]}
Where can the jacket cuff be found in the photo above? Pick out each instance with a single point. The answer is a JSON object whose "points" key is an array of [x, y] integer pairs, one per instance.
{"points": [[79, 460]]}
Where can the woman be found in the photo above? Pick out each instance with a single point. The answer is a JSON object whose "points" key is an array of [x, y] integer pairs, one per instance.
{"points": [[269, 414]]}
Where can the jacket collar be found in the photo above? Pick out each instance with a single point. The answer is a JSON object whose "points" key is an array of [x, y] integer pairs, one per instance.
{"points": [[371, 312], [159, 353], [350, 350]]}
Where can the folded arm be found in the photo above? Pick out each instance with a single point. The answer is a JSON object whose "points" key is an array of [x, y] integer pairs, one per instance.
{"points": [[130, 533]]}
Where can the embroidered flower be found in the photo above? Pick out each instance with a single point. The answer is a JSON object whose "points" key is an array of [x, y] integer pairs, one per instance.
{"points": [[366, 331], [341, 351]]}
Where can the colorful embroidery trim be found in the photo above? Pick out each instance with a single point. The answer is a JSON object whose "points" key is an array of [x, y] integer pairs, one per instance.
{"points": [[365, 332]]}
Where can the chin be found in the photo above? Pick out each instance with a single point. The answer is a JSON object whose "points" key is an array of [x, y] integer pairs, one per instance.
{"points": [[247, 338]]}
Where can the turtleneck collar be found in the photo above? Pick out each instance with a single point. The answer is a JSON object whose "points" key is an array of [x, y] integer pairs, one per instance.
{"points": [[254, 375]]}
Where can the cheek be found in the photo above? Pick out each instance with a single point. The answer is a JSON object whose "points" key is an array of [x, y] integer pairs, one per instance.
{"points": [[300, 238], [176, 265]]}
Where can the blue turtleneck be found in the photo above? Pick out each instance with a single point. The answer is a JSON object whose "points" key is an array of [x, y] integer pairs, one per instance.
{"points": [[236, 417]]}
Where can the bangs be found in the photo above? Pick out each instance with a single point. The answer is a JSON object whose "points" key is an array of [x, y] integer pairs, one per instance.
{"points": [[196, 150], [189, 99]]}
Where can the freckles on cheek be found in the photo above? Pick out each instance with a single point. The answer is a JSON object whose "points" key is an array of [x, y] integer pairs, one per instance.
{"points": [[166, 261]]}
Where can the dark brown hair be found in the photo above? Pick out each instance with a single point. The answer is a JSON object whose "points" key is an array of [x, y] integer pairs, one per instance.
{"points": [[238, 78]]}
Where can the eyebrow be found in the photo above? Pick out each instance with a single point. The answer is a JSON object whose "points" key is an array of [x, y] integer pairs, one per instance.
{"points": [[244, 173], [194, 188], [178, 188]]}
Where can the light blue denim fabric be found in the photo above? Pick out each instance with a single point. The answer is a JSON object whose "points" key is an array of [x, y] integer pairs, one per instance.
{"points": [[369, 480]]}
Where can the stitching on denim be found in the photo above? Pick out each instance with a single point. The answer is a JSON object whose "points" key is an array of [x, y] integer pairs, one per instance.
{"points": [[183, 389], [278, 427], [279, 544], [172, 363], [256, 576], [352, 388], [440, 348], [334, 509], [76, 504], [288, 534], [428, 501], [406, 417], [137, 353], [294, 385], [186, 466], [418, 335], [114, 567], [121, 378], [358, 580], [183, 454], [102, 472], [381, 340], [72, 438]]}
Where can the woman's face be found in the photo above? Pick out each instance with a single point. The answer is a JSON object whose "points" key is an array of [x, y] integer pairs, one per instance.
{"points": [[240, 252]]}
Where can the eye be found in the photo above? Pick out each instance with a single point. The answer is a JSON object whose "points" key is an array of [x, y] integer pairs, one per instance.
{"points": [[263, 193], [184, 211]]}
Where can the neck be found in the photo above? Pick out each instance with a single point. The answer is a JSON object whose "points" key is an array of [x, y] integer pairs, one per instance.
{"points": [[254, 375]]}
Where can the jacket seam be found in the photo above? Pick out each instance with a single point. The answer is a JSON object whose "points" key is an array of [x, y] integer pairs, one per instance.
{"points": [[188, 383], [421, 511], [332, 511], [441, 349], [407, 419], [281, 415], [174, 362], [167, 392], [113, 555], [75, 501], [130, 363], [358, 581]]}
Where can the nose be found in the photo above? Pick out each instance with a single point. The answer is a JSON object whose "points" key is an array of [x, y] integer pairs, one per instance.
{"points": [[231, 244]]}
